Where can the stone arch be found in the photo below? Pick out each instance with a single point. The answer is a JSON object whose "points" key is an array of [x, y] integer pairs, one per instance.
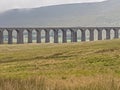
{"points": [[25, 36], [43, 36], [51, 34], [112, 34], [5, 36], [60, 36], [87, 35], [103, 34], [79, 35], [34, 36], [68, 35], [14, 36], [95, 34]]}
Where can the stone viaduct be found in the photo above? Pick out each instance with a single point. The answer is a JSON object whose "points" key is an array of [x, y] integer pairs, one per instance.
{"points": [[64, 30]]}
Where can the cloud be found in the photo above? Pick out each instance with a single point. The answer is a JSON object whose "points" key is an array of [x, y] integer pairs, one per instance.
{"points": [[12, 4]]}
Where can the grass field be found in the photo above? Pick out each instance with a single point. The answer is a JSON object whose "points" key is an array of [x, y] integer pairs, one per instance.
{"points": [[73, 66]]}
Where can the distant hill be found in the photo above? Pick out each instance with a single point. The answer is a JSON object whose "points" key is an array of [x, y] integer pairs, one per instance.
{"points": [[105, 13]]}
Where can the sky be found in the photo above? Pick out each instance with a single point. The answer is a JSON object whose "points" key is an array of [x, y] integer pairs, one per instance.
{"points": [[15, 4]]}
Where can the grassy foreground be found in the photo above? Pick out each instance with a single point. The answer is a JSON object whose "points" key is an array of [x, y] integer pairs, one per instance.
{"points": [[73, 66]]}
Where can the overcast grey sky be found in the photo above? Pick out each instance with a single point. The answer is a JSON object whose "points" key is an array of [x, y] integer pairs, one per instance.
{"points": [[12, 4]]}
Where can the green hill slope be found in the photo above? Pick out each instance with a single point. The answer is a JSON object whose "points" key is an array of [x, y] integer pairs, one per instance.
{"points": [[104, 13], [75, 65]]}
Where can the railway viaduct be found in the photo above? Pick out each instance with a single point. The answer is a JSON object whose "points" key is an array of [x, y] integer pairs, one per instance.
{"points": [[73, 31]]}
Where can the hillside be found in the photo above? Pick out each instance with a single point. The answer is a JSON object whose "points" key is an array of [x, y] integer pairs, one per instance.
{"points": [[83, 14], [73, 66]]}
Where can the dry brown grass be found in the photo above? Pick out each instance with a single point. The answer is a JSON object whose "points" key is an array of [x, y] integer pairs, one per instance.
{"points": [[80, 83], [73, 66]]}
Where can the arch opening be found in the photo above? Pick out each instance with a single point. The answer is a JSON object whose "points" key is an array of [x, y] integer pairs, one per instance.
{"points": [[112, 34], [42, 36], [14, 36], [68, 35], [95, 34], [25, 36], [60, 36], [119, 33], [79, 35], [103, 34], [51, 33], [5, 36], [34, 36], [87, 35]]}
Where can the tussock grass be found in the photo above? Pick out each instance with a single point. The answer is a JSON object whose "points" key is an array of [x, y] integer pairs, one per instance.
{"points": [[81, 83], [73, 66]]}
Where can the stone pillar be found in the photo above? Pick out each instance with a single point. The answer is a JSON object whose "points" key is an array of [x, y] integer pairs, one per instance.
{"points": [[107, 34], [116, 33], [1, 37], [20, 36], [10, 41], [91, 34], [64, 36], [83, 37], [73, 35], [38, 36], [99, 34], [47, 36], [29, 36], [55, 36]]}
